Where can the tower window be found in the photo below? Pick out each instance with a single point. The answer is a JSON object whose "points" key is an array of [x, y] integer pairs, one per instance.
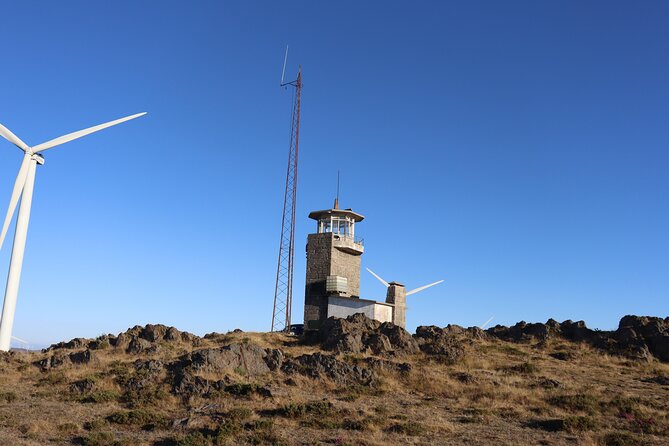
{"points": [[337, 225]]}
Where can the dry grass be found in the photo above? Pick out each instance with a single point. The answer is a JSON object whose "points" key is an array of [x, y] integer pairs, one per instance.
{"points": [[500, 393]]}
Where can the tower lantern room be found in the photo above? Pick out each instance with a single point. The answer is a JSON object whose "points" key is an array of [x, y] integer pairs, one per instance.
{"points": [[338, 221]]}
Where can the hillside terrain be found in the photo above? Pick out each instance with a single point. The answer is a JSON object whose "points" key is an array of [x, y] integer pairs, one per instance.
{"points": [[358, 382]]}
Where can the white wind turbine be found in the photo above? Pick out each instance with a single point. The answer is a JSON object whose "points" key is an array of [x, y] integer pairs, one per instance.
{"points": [[396, 295], [408, 293], [23, 188]]}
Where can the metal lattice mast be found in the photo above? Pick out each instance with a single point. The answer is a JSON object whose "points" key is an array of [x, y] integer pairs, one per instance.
{"points": [[283, 292]]}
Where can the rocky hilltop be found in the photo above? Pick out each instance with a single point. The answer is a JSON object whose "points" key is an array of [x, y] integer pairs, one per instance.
{"points": [[357, 381]]}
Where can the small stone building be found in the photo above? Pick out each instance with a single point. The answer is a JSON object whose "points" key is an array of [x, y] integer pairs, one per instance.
{"points": [[333, 271]]}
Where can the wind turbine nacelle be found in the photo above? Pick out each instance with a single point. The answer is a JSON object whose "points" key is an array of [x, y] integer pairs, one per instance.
{"points": [[39, 158]]}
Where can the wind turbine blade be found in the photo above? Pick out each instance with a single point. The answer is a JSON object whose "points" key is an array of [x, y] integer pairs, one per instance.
{"points": [[409, 293], [76, 135], [380, 279], [486, 322], [20, 340], [9, 136], [16, 193]]}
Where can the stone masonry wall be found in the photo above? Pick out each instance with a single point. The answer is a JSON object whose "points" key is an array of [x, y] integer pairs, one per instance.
{"points": [[347, 265], [397, 295], [323, 260], [319, 254]]}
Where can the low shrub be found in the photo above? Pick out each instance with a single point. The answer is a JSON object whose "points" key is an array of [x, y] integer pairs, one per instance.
{"points": [[101, 396], [526, 368], [583, 402], [195, 438], [622, 439], [239, 413], [138, 417], [99, 439], [8, 397], [577, 423], [412, 428], [295, 410]]}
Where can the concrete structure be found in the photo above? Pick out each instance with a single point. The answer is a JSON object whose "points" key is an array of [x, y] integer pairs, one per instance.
{"points": [[346, 306]]}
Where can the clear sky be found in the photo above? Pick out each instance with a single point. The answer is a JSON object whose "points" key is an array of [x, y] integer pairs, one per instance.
{"points": [[518, 150]]}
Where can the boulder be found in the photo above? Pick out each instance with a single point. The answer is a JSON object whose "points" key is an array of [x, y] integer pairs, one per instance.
{"points": [[440, 343], [248, 358], [359, 334], [73, 344], [61, 359], [319, 366]]}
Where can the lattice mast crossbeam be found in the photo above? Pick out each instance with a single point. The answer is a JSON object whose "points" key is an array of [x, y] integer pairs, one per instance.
{"points": [[283, 291]]}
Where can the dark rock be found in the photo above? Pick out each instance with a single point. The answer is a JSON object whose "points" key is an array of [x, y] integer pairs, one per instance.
{"points": [[388, 366], [138, 345], [553, 425], [150, 366], [652, 331], [660, 379], [466, 378], [318, 365], [400, 339], [359, 334], [523, 331], [440, 343], [576, 331], [188, 384], [73, 344], [637, 337], [561, 356], [82, 386], [246, 358], [246, 389], [61, 359], [147, 374], [84, 357], [153, 333], [274, 359]]}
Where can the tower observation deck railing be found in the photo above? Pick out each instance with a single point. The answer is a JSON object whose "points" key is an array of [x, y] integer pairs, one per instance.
{"points": [[349, 238]]}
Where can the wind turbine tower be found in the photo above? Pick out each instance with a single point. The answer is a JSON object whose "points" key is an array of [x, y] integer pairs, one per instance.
{"points": [[283, 291], [23, 190]]}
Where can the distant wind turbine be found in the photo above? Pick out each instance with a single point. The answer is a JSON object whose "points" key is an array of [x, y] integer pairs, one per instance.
{"points": [[23, 188], [486, 322]]}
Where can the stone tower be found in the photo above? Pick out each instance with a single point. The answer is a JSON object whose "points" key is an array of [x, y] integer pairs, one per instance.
{"points": [[397, 296], [333, 262]]}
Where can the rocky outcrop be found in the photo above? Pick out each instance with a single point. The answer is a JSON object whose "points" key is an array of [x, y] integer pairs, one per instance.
{"points": [[359, 334], [441, 343], [238, 358], [247, 359], [60, 360], [148, 338], [319, 366], [135, 340], [637, 337]]}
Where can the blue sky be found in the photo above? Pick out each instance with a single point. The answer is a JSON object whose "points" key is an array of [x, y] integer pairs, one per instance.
{"points": [[516, 149]]}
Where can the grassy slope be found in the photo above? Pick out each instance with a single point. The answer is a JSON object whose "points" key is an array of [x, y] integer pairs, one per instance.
{"points": [[501, 393]]}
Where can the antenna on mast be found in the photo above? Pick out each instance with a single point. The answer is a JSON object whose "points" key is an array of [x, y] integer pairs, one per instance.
{"points": [[283, 72], [336, 203]]}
